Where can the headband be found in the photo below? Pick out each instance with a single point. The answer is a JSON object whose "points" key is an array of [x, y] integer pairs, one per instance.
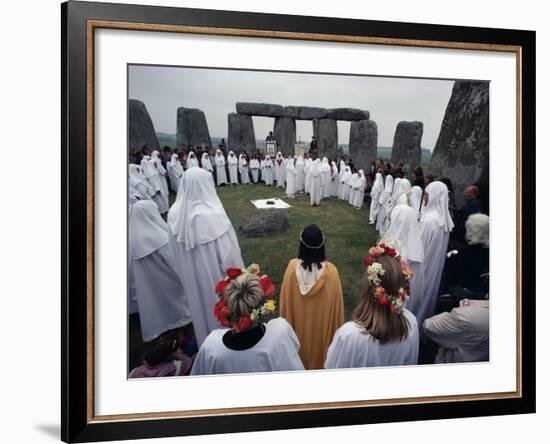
{"points": [[309, 246]]}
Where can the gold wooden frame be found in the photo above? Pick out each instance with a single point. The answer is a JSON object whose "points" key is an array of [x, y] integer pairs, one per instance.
{"points": [[92, 25]]}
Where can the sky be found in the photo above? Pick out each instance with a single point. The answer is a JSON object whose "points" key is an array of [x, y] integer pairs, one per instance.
{"points": [[215, 91]]}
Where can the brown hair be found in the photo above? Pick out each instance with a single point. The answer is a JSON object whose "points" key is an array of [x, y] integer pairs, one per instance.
{"points": [[243, 294], [378, 320]]}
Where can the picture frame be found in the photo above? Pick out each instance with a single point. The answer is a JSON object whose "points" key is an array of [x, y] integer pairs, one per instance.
{"points": [[80, 20]]}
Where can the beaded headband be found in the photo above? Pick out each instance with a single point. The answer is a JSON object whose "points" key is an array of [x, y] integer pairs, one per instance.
{"points": [[309, 246]]}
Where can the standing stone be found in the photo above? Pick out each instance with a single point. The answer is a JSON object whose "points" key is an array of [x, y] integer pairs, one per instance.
{"points": [[326, 133], [192, 128], [406, 144], [240, 132], [461, 152], [259, 109], [285, 133], [140, 127], [363, 143]]}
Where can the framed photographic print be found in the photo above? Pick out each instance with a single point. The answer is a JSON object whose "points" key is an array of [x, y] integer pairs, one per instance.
{"points": [[275, 221]]}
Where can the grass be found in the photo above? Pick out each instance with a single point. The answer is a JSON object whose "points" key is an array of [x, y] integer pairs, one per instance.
{"points": [[347, 232]]}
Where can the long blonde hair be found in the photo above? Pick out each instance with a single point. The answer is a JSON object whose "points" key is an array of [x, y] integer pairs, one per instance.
{"points": [[378, 320]]}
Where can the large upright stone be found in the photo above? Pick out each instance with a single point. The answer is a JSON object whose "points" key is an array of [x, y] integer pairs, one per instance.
{"points": [[192, 128], [240, 132], [461, 152], [326, 133], [285, 134], [259, 109], [347, 114], [406, 144], [140, 127], [305, 112], [363, 143]]}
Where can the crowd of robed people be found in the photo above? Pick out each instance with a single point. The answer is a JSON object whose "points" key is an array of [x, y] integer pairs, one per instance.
{"points": [[425, 282]]}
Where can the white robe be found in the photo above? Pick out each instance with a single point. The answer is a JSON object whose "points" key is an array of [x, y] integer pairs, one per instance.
{"points": [[325, 179], [315, 183], [243, 170], [254, 169], [175, 171], [462, 334], [352, 347], [290, 179], [221, 175], [280, 171], [232, 165], [334, 180], [358, 191], [277, 350], [375, 193], [300, 175], [158, 291], [382, 212], [152, 174], [342, 184], [307, 175], [267, 172]]}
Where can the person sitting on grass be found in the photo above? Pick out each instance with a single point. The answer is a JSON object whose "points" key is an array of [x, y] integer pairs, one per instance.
{"points": [[246, 343], [311, 297], [382, 331], [165, 357]]}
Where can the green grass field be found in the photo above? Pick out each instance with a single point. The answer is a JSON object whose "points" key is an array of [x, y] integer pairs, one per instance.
{"points": [[347, 232]]}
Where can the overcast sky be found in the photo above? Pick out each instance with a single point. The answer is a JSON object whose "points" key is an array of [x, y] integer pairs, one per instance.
{"points": [[215, 91]]}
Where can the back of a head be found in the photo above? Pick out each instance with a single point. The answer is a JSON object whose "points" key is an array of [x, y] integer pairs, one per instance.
{"points": [[477, 230], [375, 312], [312, 247], [243, 295]]}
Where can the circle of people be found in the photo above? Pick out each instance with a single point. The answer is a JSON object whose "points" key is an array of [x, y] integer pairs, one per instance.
{"points": [[175, 267]]}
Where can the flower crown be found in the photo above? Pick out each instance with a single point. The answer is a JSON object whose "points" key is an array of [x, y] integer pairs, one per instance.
{"points": [[375, 272], [265, 308]]}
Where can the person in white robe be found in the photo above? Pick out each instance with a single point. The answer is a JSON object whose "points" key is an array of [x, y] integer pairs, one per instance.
{"points": [[206, 164], [333, 179], [152, 174], [358, 191], [221, 175], [267, 173], [280, 170], [160, 295], [233, 167], [325, 178], [308, 163], [384, 197], [343, 183], [290, 179], [375, 192], [403, 190], [255, 169], [300, 174], [138, 186], [243, 169], [316, 185], [175, 171], [192, 160], [161, 172], [349, 184], [404, 232], [204, 243], [341, 172], [415, 198], [462, 334], [435, 227], [390, 203]]}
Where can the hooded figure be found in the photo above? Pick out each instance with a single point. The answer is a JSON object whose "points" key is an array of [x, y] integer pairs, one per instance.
{"points": [[290, 179], [192, 160], [402, 192], [404, 232], [315, 183], [415, 198], [307, 174], [221, 176], [267, 172], [333, 180], [350, 181], [151, 172], [280, 170], [358, 190], [342, 170], [233, 166], [254, 169], [384, 197], [243, 169], [343, 183], [325, 178], [175, 171], [375, 193], [138, 186], [204, 244], [435, 227], [160, 297], [206, 164], [300, 174]]}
